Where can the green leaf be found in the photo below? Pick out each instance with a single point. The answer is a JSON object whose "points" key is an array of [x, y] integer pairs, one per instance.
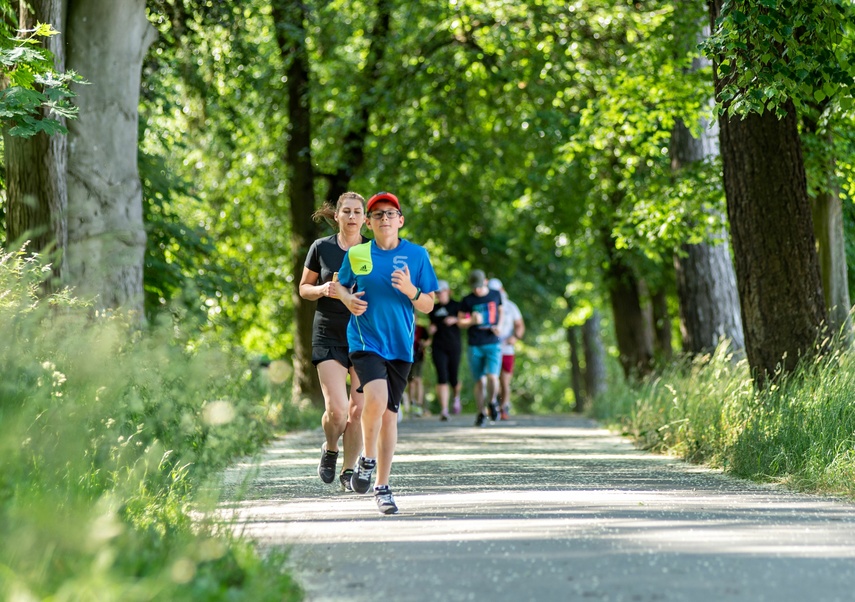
{"points": [[45, 30], [21, 55], [21, 98]]}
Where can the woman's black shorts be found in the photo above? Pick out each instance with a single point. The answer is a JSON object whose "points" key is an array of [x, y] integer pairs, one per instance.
{"points": [[322, 354]]}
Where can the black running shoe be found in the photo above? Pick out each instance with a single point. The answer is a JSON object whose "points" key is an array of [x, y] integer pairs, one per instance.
{"points": [[361, 479], [480, 420], [385, 501], [494, 410], [326, 467], [344, 480]]}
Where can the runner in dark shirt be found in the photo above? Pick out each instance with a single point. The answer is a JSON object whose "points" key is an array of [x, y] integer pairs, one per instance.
{"points": [[329, 337], [481, 313], [446, 348]]}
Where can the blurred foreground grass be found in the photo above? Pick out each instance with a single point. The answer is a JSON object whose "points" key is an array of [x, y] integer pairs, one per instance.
{"points": [[107, 436]]}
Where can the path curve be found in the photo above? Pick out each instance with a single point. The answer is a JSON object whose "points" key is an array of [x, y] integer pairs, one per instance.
{"points": [[543, 508]]}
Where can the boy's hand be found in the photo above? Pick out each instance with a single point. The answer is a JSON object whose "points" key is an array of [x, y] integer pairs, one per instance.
{"points": [[401, 281], [352, 301], [355, 303]]}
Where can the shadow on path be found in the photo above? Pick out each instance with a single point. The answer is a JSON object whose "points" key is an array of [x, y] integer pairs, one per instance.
{"points": [[543, 508]]}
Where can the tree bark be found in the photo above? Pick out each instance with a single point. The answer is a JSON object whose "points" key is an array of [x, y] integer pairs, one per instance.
{"points": [[828, 229], [777, 271], [661, 322], [632, 328], [706, 281], [290, 18], [595, 357], [576, 382], [107, 41], [831, 242], [36, 189]]}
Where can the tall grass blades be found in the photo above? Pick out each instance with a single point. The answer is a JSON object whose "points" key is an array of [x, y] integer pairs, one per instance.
{"points": [[799, 431], [105, 433]]}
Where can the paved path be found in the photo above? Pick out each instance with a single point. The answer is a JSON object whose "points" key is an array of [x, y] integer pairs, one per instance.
{"points": [[546, 509]]}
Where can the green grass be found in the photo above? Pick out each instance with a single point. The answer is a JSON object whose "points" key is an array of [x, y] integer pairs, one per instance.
{"points": [[107, 435], [799, 431]]}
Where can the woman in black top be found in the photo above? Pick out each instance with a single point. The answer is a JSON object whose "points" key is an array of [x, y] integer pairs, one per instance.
{"points": [[445, 348], [329, 336]]}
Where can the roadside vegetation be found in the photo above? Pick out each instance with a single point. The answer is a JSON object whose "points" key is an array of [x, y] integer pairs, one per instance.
{"points": [[108, 437], [799, 431]]}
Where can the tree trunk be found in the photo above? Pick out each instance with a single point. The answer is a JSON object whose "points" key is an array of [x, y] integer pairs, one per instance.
{"points": [[290, 17], [595, 357], [575, 369], [831, 243], [353, 143], [632, 329], [706, 282], [828, 229], [661, 322], [777, 271], [36, 190], [107, 41], [709, 306]]}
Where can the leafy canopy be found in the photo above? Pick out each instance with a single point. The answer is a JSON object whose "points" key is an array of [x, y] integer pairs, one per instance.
{"points": [[770, 51], [34, 85]]}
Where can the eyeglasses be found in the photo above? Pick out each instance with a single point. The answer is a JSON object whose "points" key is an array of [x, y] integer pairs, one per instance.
{"points": [[390, 213]]}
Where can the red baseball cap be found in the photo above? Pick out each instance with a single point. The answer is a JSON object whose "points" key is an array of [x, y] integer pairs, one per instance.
{"points": [[383, 196]]}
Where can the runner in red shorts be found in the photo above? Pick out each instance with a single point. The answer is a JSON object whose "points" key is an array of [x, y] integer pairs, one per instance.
{"points": [[511, 330]]}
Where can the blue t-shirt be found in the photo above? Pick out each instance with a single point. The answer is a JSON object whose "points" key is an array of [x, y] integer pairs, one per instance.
{"points": [[387, 327]]}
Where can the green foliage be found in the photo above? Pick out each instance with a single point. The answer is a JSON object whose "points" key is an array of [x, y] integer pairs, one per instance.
{"points": [[181, 269], [106, 435], [798, 431], [506, 129], [37, 96], [213, 173], [518, 136], [541, 381], [772, 51], [645, 81]]}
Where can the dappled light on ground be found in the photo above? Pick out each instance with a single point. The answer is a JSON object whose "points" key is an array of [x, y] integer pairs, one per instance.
{"points": [[557, 503]]}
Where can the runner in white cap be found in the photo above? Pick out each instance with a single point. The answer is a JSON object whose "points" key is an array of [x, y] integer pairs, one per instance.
{"points": [[511, 330]]}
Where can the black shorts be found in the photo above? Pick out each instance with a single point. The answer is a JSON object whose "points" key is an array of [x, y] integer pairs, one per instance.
{"points": [[370, 366], [447, 364], [416, 369], [322, 354]]}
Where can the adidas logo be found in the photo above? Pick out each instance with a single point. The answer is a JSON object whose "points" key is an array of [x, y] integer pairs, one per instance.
{"points": [[363, 268]]}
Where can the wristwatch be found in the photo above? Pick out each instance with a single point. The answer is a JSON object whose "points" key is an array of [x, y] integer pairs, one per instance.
{"points": [[418, 294]]}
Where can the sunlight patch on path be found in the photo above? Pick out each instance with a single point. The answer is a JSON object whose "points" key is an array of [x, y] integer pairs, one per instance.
{"points": [[686, 522], [542, 509]]}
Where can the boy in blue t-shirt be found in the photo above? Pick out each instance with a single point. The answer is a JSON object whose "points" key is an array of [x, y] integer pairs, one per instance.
{"points": [[382, 282]]}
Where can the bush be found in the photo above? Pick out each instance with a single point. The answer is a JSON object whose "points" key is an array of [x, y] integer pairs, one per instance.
{"points": [[800, 430], [106, 433]]}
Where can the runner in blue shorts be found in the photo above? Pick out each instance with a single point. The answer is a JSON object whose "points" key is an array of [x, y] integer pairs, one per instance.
{"points": [[480, 313]]}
